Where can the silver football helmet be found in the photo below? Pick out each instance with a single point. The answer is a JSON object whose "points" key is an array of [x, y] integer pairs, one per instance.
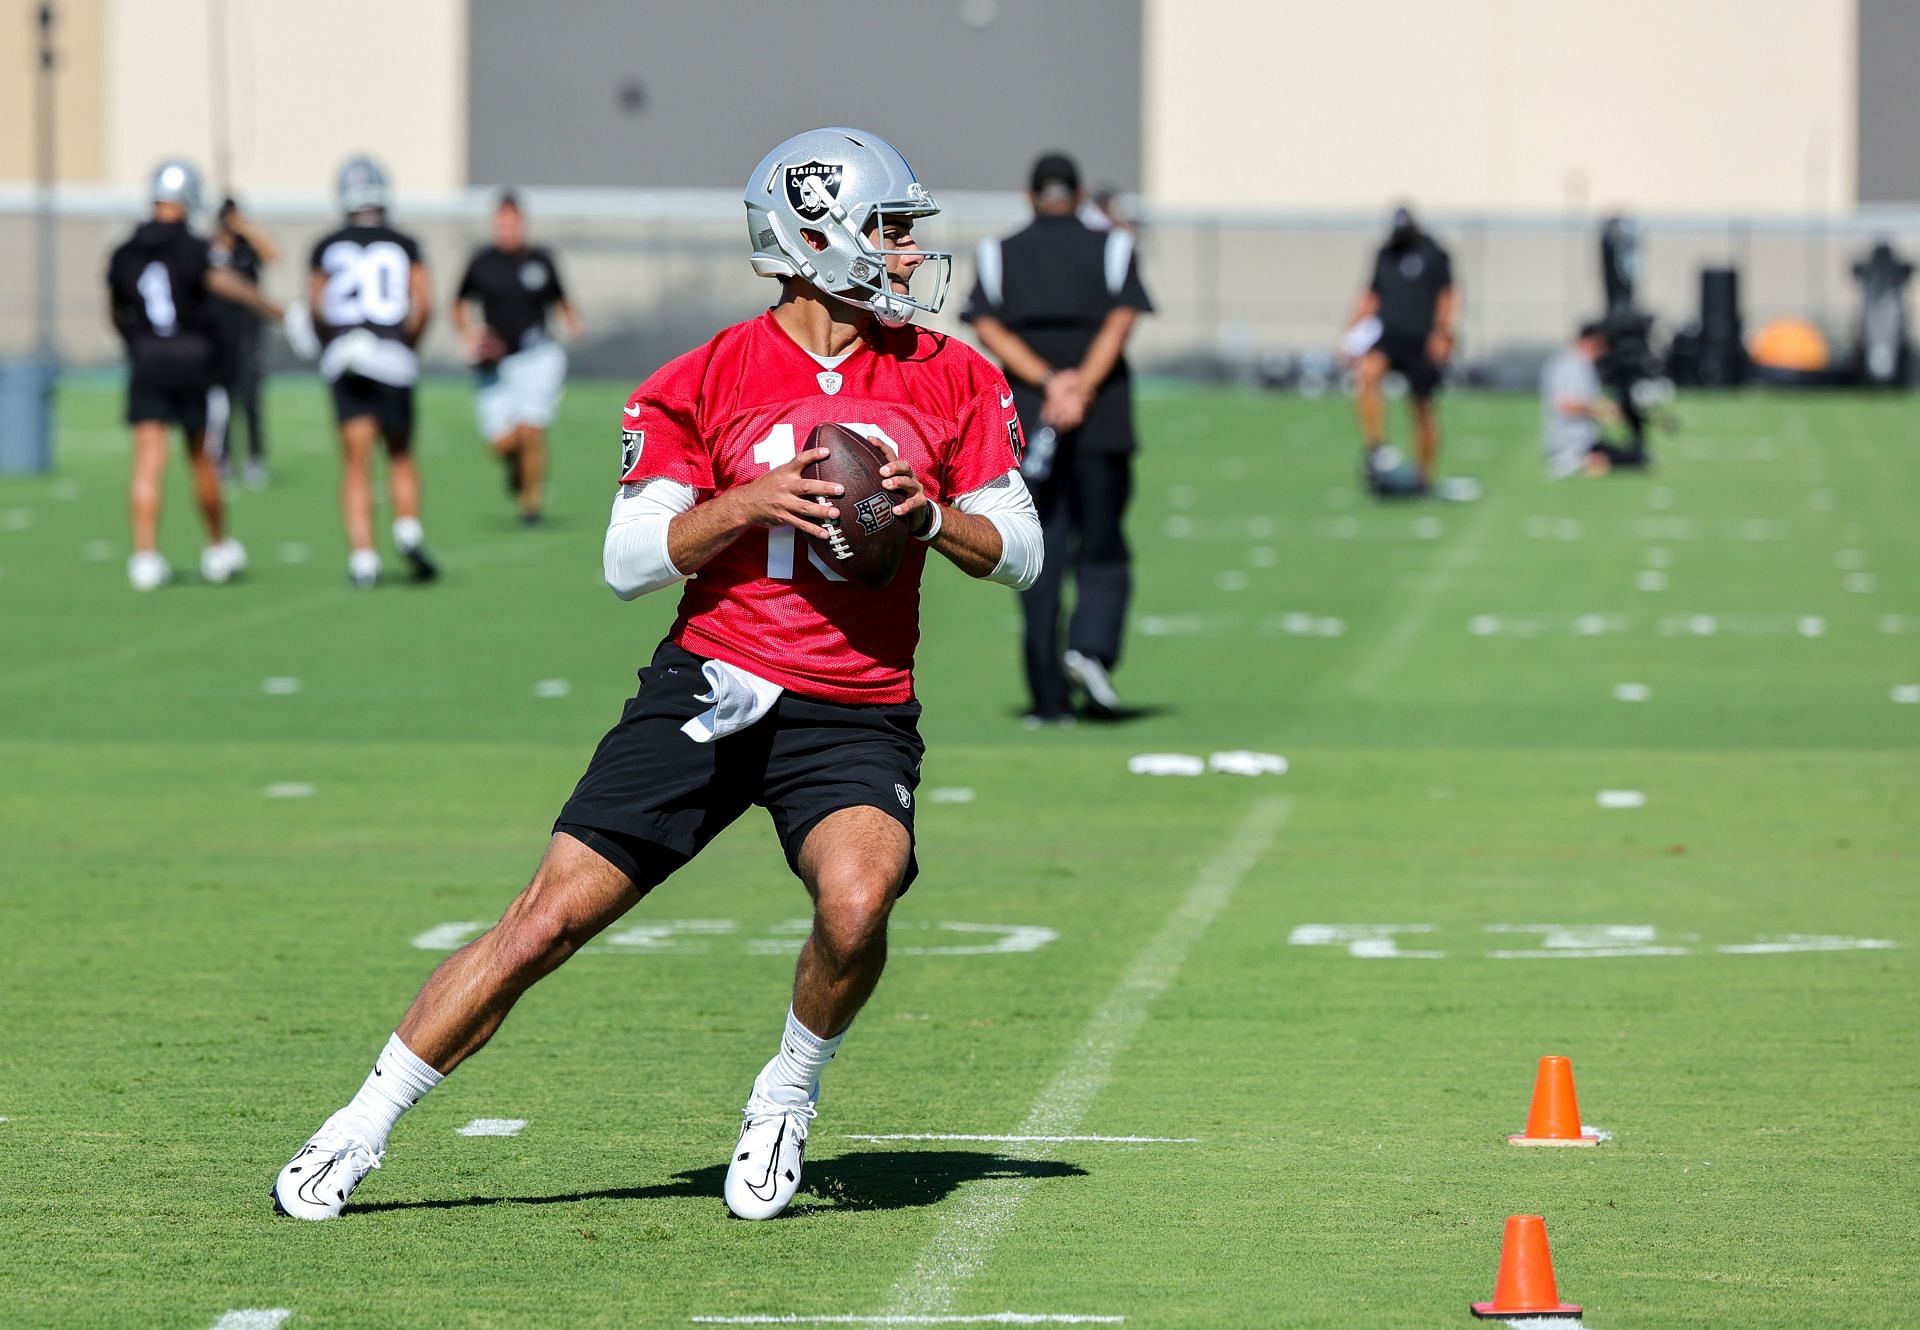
{"points": [[176, 181], [362, 185], [837, 183]]}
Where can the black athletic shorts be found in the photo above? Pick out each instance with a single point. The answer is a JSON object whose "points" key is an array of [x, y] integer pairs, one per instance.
{"points": [[652, 798], [168, 382], [355, 395], [1407, 356]]}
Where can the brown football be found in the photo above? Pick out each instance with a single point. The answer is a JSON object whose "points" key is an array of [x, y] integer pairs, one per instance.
{"points": [[865, 543]]}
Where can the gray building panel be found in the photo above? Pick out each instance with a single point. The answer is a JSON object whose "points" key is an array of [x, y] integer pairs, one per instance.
{"points": [[1889, 108], [597, 93]]}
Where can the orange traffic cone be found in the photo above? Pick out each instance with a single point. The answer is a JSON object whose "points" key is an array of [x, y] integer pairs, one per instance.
{"points": [[1524, 1286], [1554, 1118]]}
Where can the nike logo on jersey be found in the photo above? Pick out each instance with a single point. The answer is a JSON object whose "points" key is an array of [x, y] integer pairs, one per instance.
{"points": [[1006, 401], [634, 411]]}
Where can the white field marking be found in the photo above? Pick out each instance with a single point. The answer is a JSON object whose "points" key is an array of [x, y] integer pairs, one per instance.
{"points": [[1483, 625], [1296, 623], [1166, 764], [1242, 762], [1703, 625], [1585, 942], [1261, 528], [453, 936], [1893, 623], [1848, 561], [1821, 501], [552, 688], [1861, 584], [280, 685], [1007, 938], [1906, 694], [651, 937], [1017, 1140], [982, 1318], [1232, 579], [1811, 625], [66, 490], [1595, 625], [493, 1127], [971, 1227], [1262, 556], [16, 519], [289, 789], [951, 794], [1169, 625], [1428, 528], [1660, 497], [97, 551], [1621, 799], [293, 552], [1807, 942], [1179, 527], [1651, 579], [1182, 496], [1659, 556], [1367, 942], [1446, 571], [253, 1318], [1344, 528], [1631, 692]]}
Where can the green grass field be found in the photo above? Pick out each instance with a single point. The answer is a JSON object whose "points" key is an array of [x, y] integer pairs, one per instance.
{"points": [[194, 973]]}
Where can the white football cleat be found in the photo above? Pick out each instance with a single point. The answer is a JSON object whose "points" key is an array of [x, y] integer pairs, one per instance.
{"points": [[147, 571], [317, 1181], [219, 563], [765, 1170], [1092, 677]]}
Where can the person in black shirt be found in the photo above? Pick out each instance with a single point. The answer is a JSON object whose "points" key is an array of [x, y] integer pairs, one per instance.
{"points": [[522, 370], [1403, 322], [239, 360], [160, 284], [371, 302], [1056, 303]]}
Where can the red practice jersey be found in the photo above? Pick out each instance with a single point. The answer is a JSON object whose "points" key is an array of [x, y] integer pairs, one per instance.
{"points": [[732, 410]]}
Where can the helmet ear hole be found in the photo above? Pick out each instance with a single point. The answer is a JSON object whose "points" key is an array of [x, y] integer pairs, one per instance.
{"points": [[816, 240]]}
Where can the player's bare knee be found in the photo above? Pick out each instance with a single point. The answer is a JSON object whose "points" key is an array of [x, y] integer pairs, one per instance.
{"points": [[851, 914]]}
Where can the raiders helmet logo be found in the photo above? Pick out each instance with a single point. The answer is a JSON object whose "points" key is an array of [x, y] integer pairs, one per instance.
{"points": [[813, 187], [631, 442]]}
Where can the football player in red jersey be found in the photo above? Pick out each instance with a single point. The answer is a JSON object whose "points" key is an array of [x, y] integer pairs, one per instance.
{"points": [[780, 683]]}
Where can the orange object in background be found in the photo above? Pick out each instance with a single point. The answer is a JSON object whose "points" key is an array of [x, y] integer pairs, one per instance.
{"points": [[1554, 1118], [1790, 344], [1524, 1286]]}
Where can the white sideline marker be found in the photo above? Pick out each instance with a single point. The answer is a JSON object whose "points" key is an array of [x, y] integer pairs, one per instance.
{"points": [[552, 688], [97, 551], [294, 552], [493, 1127], [984, 1318], [1017, 1140], [1651, 579], [253, 1318], [1631, 692], [951, 794], [1906, 693], [1811, 625], [281, 685], [1622, 799], [289, 789], [971, 1229]]}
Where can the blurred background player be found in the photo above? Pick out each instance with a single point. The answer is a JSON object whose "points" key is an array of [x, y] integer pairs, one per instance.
{"points": [[1403, 322], [1574, 412], [244, 247], [522, 370], [1055, 303], [160, 284], [371, 302]]}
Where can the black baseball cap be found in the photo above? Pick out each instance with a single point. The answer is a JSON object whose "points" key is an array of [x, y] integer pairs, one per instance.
{"points": [[1054, 171]]}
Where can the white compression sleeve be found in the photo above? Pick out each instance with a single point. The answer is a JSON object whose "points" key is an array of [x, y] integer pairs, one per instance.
{"points": [[1008, 504], [635, 556]]}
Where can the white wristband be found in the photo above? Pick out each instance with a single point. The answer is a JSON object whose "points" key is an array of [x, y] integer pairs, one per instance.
{"points": [[933, 527]]}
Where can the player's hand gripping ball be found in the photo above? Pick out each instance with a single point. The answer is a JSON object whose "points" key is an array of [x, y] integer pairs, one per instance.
{"points": [[865, 543]]}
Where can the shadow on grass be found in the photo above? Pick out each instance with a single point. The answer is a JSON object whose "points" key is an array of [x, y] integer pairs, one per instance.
{"points": [[865, 1180]]}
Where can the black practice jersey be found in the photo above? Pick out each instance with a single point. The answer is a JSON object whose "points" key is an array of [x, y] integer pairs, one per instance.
{"points": [[369, 272], [156, 282], [1409, 282], [1057, 282], [515, 289]]}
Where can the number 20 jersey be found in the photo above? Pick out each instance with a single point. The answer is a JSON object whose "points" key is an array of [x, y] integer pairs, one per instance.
{"points": [[728, 412]]}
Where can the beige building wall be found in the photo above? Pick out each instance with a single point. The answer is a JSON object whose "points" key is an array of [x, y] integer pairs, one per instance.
{"points": [[309, 84], [80, 39], [1525, 105]]}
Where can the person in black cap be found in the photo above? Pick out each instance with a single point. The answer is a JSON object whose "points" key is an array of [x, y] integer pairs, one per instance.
{"points": [[1403, 322], [1055, 304]]}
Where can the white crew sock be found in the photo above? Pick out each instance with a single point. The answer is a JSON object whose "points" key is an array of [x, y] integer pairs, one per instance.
{"points": [[408, 533], [794, 1074], [364, 563], [398, 1082]]}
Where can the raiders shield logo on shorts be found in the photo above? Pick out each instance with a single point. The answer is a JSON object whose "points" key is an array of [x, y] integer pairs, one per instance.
{"points": [[813, 187]]}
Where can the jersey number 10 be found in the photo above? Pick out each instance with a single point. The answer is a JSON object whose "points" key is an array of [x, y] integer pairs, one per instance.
{"points": [[776, 450]]}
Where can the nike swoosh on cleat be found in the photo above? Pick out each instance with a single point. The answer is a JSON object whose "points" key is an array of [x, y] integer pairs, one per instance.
{"points": [[773, 1162]]}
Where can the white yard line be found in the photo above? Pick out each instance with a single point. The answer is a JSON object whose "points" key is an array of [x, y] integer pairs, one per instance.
{"points": [[970, 1229], [252, 1318], [967, 1136], [1445, 572], [984, 1318]]}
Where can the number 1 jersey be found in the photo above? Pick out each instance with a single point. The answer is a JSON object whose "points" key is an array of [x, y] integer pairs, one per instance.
{"points": [[728, 412]]}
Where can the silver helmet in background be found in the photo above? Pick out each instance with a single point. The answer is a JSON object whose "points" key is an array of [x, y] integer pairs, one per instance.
{"points": [[361, 185], [839, 183], [176, 181]]}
